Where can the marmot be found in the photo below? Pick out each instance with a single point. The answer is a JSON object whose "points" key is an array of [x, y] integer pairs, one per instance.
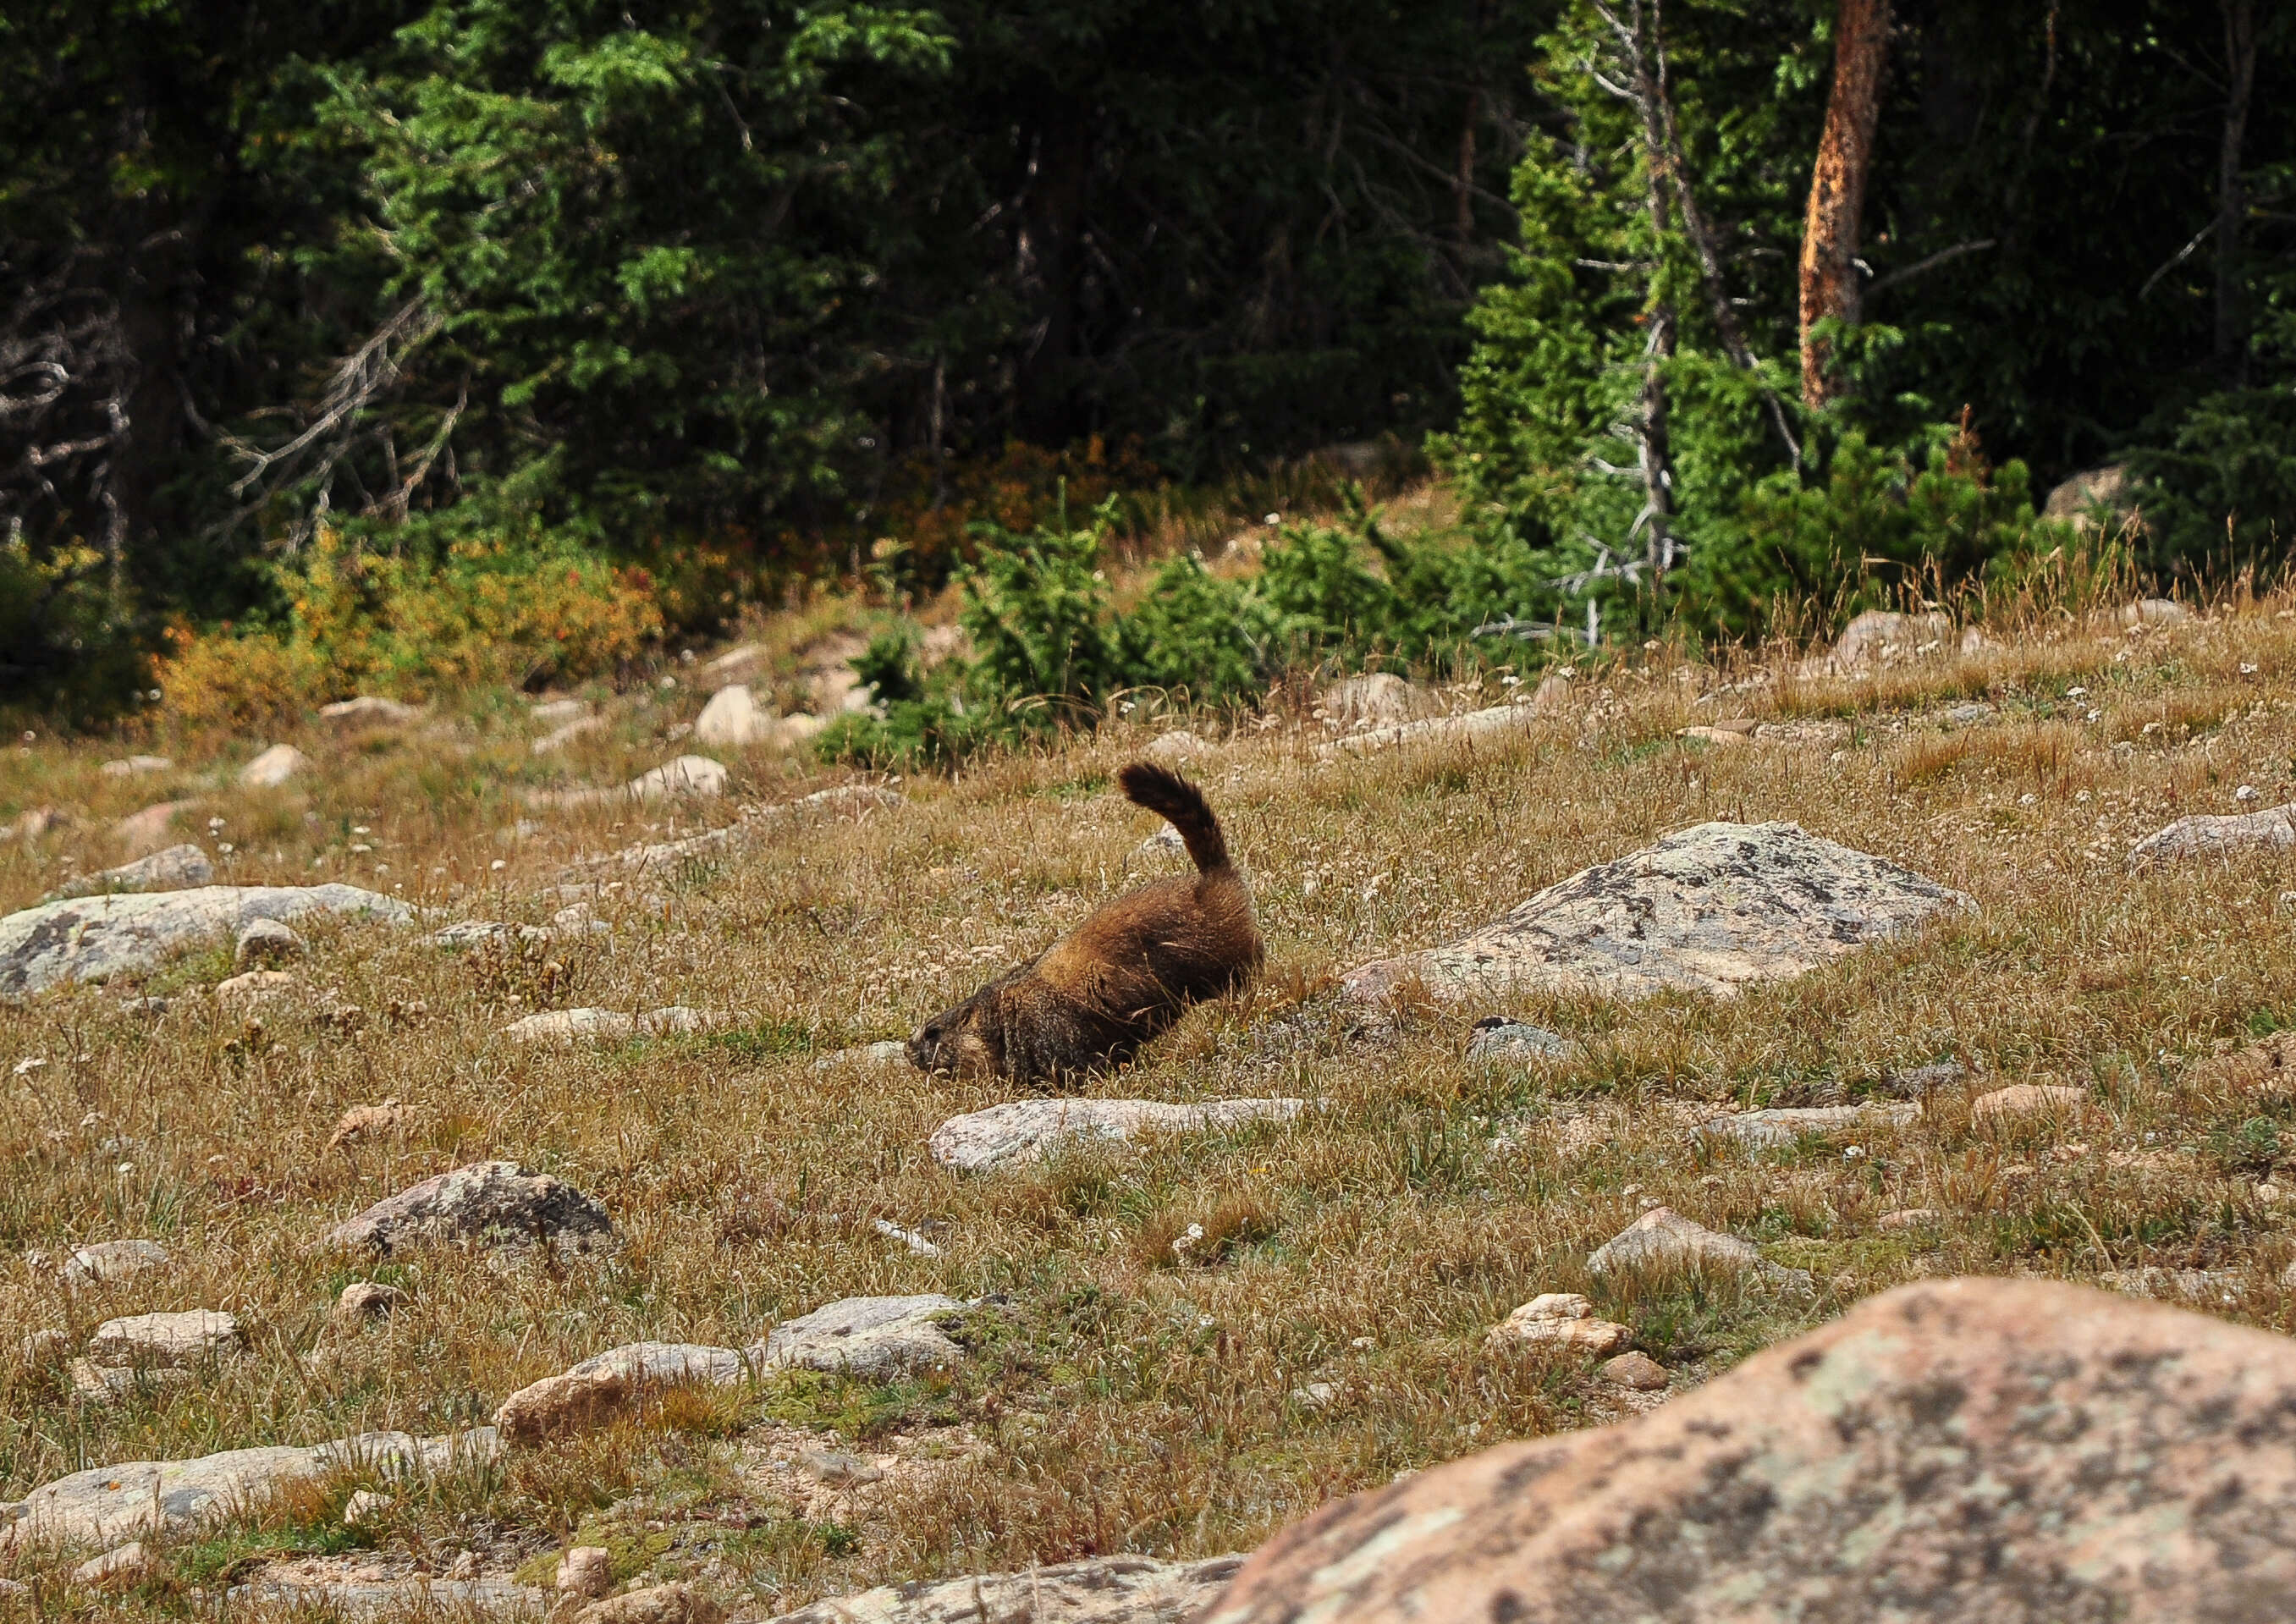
{"points": [[1119, 979]]}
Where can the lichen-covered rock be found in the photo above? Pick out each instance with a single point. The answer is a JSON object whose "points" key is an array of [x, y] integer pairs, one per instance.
{"points": [[1780, 1127], [1498, 1038], [867, 1336], [93, 938], [497, 1202], [1121, 1589], [178, 868], [102, 1505], [2206, 835], [2014, 1450], [176, 1340], [1710, 909], [1026, 1130]]}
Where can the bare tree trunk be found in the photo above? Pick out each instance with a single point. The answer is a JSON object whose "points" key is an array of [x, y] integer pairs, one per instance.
{"points": [[1466, 188], [1837, 187], [2232, 203]]}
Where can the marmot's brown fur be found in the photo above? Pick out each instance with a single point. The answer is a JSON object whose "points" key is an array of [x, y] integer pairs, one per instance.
{"points": [[1119, 979]]}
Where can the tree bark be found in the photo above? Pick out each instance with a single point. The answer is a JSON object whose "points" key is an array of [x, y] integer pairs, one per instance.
{"points": [[2232, 203], [1837, 187]]}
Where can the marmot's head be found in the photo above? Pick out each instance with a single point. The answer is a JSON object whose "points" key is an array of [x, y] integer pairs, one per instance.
{"points": [[958, 1041]]}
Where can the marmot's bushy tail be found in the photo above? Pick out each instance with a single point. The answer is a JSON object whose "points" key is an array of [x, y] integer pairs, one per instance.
{"points": [[1165, 793]]}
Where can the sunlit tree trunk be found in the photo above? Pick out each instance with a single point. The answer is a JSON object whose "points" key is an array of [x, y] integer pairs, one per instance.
{"points": [[1837, 187]]}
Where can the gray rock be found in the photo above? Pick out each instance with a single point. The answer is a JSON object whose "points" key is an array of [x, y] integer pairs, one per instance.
{"points": [[1121, 1589], [1664, 1243], [242, 994], [147, 830], [178, 868], [1967, 716], [1781, 1127], [1885, 635], [369, 711], [496, 1202], [414, 1597], [1710, 909], [179, 1342], [109, 1262], [362, 1302], [2207, 1288], [129, 1565], [2155, 612], [467, 933], [830, 1466], [265, 941], [1026, 1130], [274, 767], [694, 775], [1637, 1372], [1493, 725], [592, 1393], [93, 939], [102, 1505], [136, 767], [573, 1026], [1498, 1038], [1987, 1451], [2077, 499], [550, 710], [1377, 699], [733, 719], [867, 1336], [90, 1383], [149, 1007], [2272, 829]]}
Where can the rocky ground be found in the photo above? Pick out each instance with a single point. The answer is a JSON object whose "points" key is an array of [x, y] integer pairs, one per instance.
{"points": [[454, 1174]]}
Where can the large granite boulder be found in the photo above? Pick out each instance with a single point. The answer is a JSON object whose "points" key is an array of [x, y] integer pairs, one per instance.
{"points": [[2015, 1451], [92, 938], [1710, 909]]}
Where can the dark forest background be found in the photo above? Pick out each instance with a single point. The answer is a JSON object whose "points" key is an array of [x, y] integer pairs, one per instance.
{"points": [[750, 281]]}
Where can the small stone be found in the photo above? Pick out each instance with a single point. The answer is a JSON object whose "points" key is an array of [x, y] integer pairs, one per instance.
{"points": [[1635, 1371], [673, 1603], [365, 1121], [2027, 1100], [592, 1393], [265, 941], [588, 1571], [690, 776], [829, 1466], [274, 767], [362, 1302], [549, 710], [572, 1026], [2207, 834], [129, 1565], [136, 766], [1499, 1039], [242, 994], [1909, 1217], [731, 719], [93, 1383], [175, 1341], [1966, 715], [369, 709], [365, 1507], [873, 1337], [108, 1262], [1561, 1318], [875, 1057], [1663, 1242]]}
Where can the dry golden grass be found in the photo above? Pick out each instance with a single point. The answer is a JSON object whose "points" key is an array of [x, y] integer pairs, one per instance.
{"points": [[1140, 1398]]}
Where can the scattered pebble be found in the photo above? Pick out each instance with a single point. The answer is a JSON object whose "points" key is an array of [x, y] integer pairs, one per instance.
{"points": [[1636, 1372]]}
